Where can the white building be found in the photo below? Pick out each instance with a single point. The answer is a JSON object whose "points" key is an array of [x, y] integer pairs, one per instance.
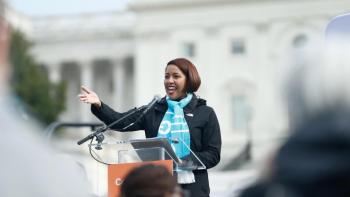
{"points": [[239, 47]]}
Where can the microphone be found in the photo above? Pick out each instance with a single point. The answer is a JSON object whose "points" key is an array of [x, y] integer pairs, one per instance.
{"points": [[146, 108], [98, 133], [155, 99]]}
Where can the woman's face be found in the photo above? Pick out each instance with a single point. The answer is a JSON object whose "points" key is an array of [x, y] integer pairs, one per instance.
{"points": [[174, 82]]}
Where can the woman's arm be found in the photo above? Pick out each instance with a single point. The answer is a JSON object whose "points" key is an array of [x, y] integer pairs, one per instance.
{"points": [[107, 115], [90, 97], [211, 142]]}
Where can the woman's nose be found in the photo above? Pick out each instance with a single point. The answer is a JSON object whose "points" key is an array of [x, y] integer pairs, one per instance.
{"points": [[170, 80]]}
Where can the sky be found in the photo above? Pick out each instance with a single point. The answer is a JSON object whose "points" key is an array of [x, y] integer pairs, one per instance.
{"points": [[65, 7]]}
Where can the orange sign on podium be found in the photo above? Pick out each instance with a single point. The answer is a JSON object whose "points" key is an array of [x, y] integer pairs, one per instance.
{"points": [[117, 173]]}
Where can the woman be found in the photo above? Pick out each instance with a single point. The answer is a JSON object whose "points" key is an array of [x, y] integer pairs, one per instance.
{"points": [[182, 115]]}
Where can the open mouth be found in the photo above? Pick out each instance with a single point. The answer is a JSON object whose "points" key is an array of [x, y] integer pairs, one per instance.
{"points": [[171, 89]]}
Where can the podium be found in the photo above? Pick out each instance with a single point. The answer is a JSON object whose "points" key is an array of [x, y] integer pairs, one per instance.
{"points": [[122, 156]]}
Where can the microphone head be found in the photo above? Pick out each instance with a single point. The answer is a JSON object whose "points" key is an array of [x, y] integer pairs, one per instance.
{"points": [[157, 98]]}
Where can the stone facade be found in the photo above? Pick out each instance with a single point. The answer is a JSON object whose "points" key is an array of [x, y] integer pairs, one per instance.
{"points": [[241, 49]]}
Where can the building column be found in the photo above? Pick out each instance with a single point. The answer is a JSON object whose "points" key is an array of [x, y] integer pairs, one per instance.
{"points": [[86, 80], [118, 84], [55, 72]]}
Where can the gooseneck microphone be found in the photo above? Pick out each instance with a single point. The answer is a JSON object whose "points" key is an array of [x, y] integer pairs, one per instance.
{"points": [[147, 107], [155, 99], [98, 133]]}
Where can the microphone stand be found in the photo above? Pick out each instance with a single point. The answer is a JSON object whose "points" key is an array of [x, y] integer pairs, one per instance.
{"points": [[98, 134]]}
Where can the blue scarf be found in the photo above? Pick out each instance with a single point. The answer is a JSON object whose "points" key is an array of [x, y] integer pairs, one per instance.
{"points": [[174, 126]]}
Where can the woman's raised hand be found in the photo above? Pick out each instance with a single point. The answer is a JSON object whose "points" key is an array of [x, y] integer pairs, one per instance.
{"points": [[89, 96]]}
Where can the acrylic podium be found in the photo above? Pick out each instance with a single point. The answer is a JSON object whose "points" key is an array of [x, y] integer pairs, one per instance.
{"points": [[122, 156]]}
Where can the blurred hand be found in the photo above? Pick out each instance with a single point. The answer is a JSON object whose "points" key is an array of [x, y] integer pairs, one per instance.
{"points": [[89, 96]]}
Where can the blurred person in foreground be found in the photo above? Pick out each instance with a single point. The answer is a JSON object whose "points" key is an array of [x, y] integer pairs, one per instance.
{"points": [[315, 160], [28, 167], [150, 181], [179, 115]]}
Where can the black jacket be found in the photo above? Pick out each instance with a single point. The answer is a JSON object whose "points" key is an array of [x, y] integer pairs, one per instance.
{"points": [[204, 131]]}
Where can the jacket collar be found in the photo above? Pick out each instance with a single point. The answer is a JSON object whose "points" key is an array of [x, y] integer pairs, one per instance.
{"points": [[162, 105]]}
